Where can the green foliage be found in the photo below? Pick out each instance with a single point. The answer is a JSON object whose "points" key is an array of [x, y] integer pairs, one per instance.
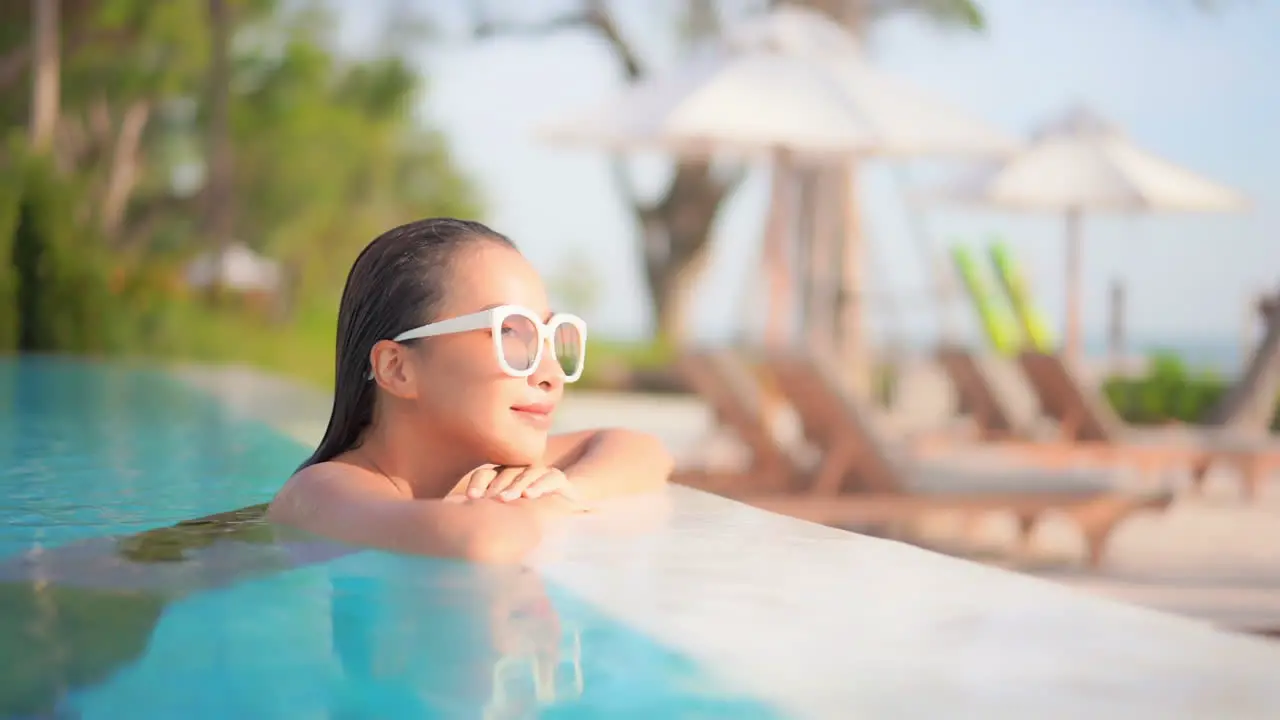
{"points": [[53, 637], [614, 365], [327, 153], [963, 14], [62, 302], [10, 196], [575, 284], [326, 157], [1169, 392]]}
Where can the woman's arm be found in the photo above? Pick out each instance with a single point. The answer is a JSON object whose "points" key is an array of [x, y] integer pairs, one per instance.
{"points": [[333, 501], [610, 462]]}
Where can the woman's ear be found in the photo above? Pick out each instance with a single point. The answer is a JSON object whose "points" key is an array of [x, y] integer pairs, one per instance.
{"points": [[392, 369]]}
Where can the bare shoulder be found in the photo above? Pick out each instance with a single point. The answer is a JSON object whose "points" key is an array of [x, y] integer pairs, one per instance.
{"points": [[326, 483], [569, 448]]}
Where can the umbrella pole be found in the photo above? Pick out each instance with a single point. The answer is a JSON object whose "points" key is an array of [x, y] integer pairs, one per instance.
{"points": [[775, 250], [826, 225], [854, 357], [802, 259], [1072, 338]]}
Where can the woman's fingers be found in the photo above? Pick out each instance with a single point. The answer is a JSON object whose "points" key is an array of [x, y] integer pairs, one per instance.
{"points": [[503, 480], [513, 483], [530, 477], [553, 480], [480, 479]]}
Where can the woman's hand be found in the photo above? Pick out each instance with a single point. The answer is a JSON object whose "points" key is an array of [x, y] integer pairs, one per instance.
{"points": [[508, 483]]}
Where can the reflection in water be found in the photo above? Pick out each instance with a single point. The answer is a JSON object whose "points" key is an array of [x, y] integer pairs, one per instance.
{"points": [[72, 616], [530, 638], [230, 617], [444, 638], [54, 639], [546, 672], [227, 616], [411, 636]]}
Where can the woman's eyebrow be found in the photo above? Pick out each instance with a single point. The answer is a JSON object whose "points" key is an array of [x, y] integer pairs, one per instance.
{"points": [[545, 317]]}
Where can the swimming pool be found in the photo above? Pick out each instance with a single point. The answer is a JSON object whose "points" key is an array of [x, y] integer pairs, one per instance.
{"points": [[680, 604], [101, 619]]}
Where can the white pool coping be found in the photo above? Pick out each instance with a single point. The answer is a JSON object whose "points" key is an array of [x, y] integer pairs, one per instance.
{"points": [[823, 623]]}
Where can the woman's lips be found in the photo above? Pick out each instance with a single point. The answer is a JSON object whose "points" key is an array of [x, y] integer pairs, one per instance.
{"points": [[538, 414]]}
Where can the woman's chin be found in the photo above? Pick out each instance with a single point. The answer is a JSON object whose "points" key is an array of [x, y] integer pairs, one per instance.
{"points": [[520, 451]]}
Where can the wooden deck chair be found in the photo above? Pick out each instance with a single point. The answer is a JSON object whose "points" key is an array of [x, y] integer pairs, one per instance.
{"points": [[1022, 436], [735, 399], [879, 480], [1250, 404], [1087, 419], [990, 412]]}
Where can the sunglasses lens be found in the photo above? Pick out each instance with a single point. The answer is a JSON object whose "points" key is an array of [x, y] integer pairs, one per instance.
{"points": [[568, 347], [519, 342]]}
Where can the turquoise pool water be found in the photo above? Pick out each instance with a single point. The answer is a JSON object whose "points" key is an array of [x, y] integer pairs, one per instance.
{"points": [[104, 613]]}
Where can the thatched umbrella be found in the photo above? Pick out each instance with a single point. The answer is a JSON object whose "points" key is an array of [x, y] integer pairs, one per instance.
{"points": [[792, 86], [1079, 163]]}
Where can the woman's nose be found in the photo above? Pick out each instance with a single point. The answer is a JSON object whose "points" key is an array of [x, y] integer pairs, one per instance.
{"points": [[548, 375]]}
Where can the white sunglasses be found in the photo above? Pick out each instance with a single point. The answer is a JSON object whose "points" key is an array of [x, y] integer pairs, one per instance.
{"points": [[519, 338]]}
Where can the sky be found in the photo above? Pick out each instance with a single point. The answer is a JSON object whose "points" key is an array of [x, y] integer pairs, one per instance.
{"points": [[1189, 87]]}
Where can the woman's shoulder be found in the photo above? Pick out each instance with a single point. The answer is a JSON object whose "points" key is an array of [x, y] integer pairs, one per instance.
{"points": [[322, 474], [335, 481], [339, 473]]}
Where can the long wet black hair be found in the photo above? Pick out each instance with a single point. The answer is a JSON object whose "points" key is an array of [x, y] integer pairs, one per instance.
{"points": [[396, 284]]}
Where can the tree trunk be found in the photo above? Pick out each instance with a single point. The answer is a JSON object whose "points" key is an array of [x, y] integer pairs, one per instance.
{"points": [[46, 75], [670, 293], [675, 232], [219, 219], [675, 240], [122, 176]]}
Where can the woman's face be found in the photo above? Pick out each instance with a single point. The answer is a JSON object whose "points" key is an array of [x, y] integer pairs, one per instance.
{"points": [[463, 392]]}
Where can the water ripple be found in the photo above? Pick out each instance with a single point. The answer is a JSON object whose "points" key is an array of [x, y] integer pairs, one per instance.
{"points": [[91, 450]]}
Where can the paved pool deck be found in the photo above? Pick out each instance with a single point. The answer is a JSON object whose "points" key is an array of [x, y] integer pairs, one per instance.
{"points": [[826, 623]]}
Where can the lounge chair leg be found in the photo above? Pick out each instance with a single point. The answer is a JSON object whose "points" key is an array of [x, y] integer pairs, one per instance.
{"points": [[1097, 521], [1251, 475], [835, 462], [1200, 475], [969, 524], [1026, 525], [1070, 425], [1095, 538], [1025, 528]]}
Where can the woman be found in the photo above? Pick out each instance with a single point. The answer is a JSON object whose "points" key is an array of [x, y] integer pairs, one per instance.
{"points": [[450, 366]]}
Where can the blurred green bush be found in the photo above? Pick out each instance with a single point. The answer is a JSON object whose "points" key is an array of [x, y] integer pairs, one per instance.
{"points": [[1170, 392]]}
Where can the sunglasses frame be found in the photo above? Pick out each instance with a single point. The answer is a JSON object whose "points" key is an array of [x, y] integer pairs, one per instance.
{"points": [[492, 320]]}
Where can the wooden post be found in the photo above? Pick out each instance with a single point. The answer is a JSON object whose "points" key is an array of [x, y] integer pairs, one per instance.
{"points": [[1116, 326], [822, 259], [1073, 350], [802, 275], [853, 353], [775, 256], [1254, 307]]}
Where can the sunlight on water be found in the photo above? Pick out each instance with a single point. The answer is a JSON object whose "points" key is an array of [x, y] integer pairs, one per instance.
{"points": [[236, 619]]}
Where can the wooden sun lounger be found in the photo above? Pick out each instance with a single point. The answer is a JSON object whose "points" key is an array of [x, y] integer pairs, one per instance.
{"points": [[736, 402], [876, 481], [1089, 423], [1250, 404], [1022, 438], [991, 414]]}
